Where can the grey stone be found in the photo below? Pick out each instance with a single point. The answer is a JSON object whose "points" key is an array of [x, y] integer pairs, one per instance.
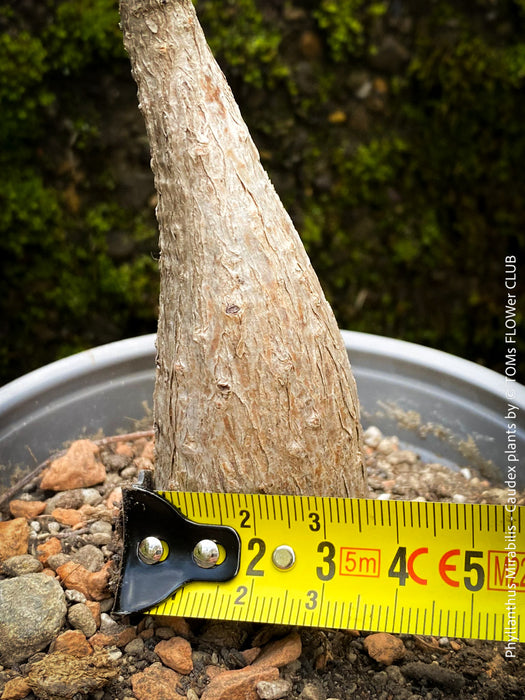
{"points": [[135, 647], [100, 526], [273, 690], [90, 557], [73, 498], [91, 497], [80, 618], [56, 560], [110, 626], [99, 538], [20, 565], [32, 612]]}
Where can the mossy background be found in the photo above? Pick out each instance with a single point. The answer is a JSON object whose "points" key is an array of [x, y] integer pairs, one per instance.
{"points": [[393, 132]]}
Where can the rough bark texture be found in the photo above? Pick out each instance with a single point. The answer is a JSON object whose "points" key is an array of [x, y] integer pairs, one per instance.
{"points": [[254, 392]]}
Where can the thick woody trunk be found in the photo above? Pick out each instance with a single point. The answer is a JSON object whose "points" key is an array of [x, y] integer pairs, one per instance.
{"points": [[254, 392]]}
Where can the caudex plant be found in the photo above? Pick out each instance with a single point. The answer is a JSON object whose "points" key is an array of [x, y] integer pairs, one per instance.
{"points": [[254, 391]]}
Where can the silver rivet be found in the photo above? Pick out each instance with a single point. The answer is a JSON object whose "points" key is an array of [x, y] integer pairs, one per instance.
{"points": [[150, 550], [206, 554], [283, 557]]}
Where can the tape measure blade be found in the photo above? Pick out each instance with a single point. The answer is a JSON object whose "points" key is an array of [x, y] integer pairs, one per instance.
{"points": [[397, 566]]}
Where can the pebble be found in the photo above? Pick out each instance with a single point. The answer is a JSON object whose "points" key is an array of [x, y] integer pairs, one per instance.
{"points": [[55, 561], [100, 539], [91, 497], [72, 642], [78, 468], [273, 690], [32, 612], [47, 549], [16, 689], [72, 498], [372, 436], [26, 509], [155, 683], [384, 648], [459, 498], [90, 557], [101, 527], [20, 565], [80, 618], [94, 585], [135, 647], [176, 654], [281, 652], [240, 684], [14, 538], [73, 596]]}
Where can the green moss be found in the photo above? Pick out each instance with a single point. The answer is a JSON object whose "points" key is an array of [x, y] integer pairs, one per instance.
{"points": [[407, 218], [243, 40], [345, 24]]}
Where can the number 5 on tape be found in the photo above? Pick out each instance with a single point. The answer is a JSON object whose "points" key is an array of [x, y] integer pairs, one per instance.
{"points": [[441, 569]]}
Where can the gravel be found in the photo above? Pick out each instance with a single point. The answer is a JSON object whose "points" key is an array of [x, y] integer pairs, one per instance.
{"points": [[45, 624]]}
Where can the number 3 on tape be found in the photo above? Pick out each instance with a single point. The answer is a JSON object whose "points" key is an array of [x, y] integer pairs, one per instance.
{"points": [[441, 569]]}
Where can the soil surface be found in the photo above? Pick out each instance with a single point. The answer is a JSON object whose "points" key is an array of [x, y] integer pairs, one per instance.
{"points": [[65, 532]]}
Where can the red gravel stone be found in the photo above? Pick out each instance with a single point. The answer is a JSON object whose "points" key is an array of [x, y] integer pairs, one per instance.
{"points": [[26, 509], [47, 549], [156, 683], [14, 538], [384, 648], [77, 469], [281, 652], [240, 684], [94, 585], [176, 653], [72, 642]]}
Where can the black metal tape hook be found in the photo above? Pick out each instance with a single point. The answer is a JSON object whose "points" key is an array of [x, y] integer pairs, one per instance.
{"points": [[143, 585]]}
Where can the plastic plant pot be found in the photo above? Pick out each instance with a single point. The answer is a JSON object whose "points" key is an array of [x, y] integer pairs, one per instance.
{"points": [[444, 408]]}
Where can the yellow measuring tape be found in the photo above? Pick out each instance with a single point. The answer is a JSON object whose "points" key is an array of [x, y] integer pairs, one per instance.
{"points": [[455, 570]]}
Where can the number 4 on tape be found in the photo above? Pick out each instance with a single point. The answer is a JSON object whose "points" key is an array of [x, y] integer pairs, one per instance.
{"points": [[443, 569]]}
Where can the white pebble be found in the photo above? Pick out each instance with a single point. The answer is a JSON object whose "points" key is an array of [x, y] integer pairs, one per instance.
{"points": [[459, 498], [388, 445], [35, 526], [114, 654], [383, 497], [444, 642], [466, 473], [75, 596], [372, 436], [91, 497], [53, 527]]}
